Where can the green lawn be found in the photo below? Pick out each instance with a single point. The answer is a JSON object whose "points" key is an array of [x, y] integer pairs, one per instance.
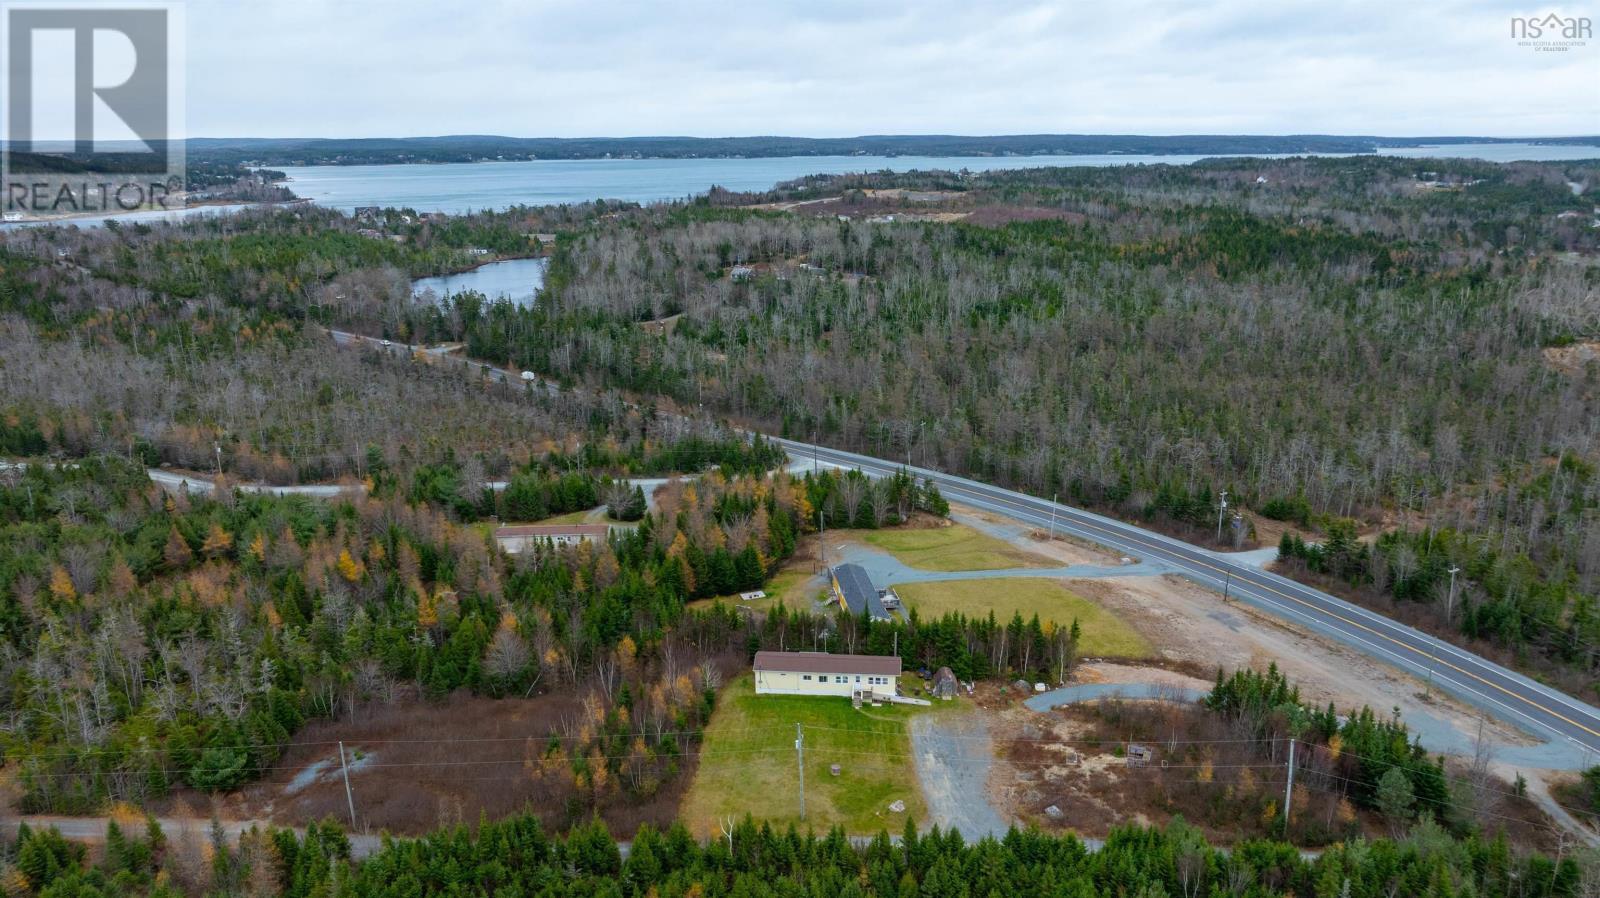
{"points": [[1102, 634], [953, 548], [748, 765], [571, 517], [787, 587]]}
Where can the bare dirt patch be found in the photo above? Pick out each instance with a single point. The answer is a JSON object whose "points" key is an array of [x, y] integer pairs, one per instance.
{"points": [[1111, 672], [1573, 359], [913, 196], [1194, 627], [419, 765], [1069, 770], [660, 326], [1269, 532]]}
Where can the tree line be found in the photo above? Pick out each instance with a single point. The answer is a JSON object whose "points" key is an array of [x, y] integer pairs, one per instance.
{"points": [[520, 857]]}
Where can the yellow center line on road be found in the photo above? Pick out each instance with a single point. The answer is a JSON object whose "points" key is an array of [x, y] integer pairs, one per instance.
{"points": [[1133, 538]]}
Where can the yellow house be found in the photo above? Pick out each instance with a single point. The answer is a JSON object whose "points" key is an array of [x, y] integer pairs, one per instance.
{"points": [[821, 673]]}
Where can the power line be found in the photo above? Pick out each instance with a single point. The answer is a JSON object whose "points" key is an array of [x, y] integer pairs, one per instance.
{"points": [[69, 753]]}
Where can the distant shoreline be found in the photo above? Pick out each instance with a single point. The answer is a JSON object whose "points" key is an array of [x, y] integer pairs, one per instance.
{"points": [[289, 152], [151, 213]]}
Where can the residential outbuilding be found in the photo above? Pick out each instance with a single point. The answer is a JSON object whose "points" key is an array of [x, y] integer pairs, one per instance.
{"points": [[822, 673], [854, 592], [523, 536]]}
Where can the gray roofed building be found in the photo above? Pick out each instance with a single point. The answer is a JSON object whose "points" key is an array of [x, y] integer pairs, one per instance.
{"points": [[854, 591]]}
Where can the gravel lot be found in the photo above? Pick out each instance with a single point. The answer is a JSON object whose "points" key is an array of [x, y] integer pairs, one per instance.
{"points": [[953, 755]]}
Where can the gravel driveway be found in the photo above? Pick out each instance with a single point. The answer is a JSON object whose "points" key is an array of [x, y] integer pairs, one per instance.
{"points": [[953, 754]]}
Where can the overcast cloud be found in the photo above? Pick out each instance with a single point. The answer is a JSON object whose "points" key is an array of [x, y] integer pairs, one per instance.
{"points": [[568, 68]]}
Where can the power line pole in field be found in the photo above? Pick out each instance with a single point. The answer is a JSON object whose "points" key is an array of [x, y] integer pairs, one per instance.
{"points": [[348, 796], [1288, 789], [800, 762]]}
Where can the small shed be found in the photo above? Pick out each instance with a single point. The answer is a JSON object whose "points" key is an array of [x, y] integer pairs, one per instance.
{"points": [[944, 684], [1139, 755]]}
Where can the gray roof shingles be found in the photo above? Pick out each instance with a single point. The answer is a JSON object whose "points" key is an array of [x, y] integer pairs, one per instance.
{"points": [[859, 593]]}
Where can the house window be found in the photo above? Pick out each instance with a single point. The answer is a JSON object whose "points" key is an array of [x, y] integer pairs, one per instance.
{"points": [[858, 678], [805, 676]]}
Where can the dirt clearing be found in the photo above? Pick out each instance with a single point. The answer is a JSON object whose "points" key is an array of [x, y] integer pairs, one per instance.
{"points": [[415, 766], [954, 757], [1194, 628]]}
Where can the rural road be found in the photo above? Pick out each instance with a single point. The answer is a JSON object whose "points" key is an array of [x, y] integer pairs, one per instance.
{"points": [[1565, 722], [1504, 694]]}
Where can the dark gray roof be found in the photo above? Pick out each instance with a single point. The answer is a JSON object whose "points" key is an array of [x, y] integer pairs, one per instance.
{"points": [[858, 591]]}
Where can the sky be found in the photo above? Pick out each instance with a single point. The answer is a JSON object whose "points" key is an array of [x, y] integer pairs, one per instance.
{"points": [[828, 68]]}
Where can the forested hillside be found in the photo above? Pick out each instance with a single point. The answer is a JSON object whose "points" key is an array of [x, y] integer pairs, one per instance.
{"points": [[164, 343], [151, 641], [1388, 341], [1395, 360]]}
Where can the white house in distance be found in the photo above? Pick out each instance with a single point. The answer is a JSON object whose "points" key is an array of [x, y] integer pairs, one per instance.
{"points": [[820, 673], [521, 537]]}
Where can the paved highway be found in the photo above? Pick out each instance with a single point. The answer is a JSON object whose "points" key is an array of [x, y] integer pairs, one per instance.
{"points": [[1503, 694], [1537, 709]]}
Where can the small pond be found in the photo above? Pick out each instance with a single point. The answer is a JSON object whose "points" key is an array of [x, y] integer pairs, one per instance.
{"points": [[515, 280]]}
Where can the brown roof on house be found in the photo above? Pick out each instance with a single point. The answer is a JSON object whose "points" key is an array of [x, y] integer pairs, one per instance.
{"points": [[823, 662], [596, 531]]}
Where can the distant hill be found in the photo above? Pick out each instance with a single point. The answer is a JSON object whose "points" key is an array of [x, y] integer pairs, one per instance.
{"points": [[481, 147]]}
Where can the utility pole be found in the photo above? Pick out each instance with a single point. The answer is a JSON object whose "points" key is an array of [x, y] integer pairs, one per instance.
{"points": [[1222, 509], [348, 797], [1450, 603], [1288, 789], [218, 447], [800, 762], [1053, 499], [822, 535], [813, 453], [897, 644], [1227, 586]]}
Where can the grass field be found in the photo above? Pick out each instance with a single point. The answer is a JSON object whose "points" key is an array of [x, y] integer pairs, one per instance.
{"points": [[749, 763], [1102, 634], [953, 548], [571, 517], [787, 587]]}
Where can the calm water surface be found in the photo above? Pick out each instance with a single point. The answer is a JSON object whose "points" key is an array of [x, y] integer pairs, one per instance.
{"points": [[516, 280], [461, 187]]}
